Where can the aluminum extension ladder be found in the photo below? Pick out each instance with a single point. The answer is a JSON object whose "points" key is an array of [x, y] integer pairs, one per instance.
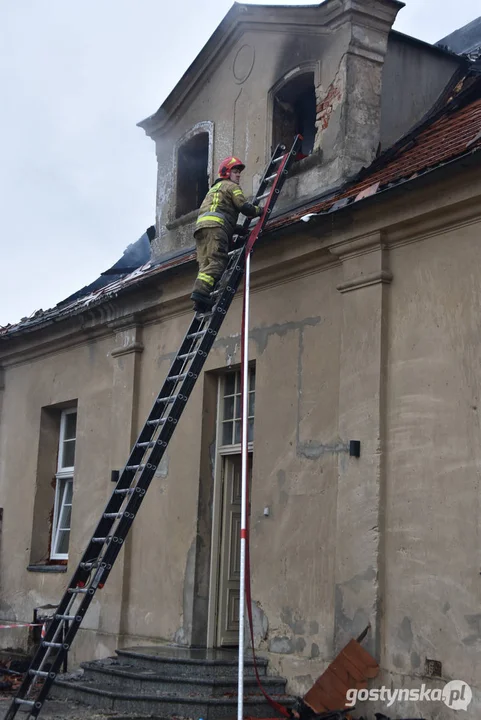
{"points": [[134, 480]]}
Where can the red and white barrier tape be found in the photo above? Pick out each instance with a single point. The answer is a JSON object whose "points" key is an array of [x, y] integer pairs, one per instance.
{"points": [[17, 625]]}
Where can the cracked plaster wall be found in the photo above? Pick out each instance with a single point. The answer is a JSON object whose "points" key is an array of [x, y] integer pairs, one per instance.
{"points": [[426, 581], [433, 459]]}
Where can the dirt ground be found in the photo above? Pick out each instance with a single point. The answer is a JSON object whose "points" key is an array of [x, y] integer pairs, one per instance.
{"points": [[60, 710]]}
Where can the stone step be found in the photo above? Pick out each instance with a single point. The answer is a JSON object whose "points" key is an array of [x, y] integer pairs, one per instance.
{"points": [[162, 704], [131, 677], [175, 661]]}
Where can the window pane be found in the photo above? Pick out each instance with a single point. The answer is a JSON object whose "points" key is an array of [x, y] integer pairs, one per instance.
{"points": [[62, 514], [238, 432], [229, 408], [229, 386], [68, 455], [252, 398], [65, 517], [227, 433], [70, 427], [232, 431], [62, 542], [68, 492]]}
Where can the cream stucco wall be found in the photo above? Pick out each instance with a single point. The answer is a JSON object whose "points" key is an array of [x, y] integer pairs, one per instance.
{"points": [[364, 326]]}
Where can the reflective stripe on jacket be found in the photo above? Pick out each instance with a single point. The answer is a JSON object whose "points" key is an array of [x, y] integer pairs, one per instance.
{"points": [[222, 205]]}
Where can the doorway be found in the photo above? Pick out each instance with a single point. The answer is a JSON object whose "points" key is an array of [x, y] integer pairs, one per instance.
{"points": [[223, 624]]}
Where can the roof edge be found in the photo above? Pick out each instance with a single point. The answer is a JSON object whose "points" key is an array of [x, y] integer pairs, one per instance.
{"points": [[426, 45]]}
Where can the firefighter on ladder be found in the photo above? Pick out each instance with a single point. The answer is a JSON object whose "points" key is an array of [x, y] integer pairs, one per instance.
{"points": [[216, 224]]}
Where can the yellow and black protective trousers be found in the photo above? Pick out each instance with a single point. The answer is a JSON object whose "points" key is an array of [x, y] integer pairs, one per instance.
{"points": [[212, 256]]}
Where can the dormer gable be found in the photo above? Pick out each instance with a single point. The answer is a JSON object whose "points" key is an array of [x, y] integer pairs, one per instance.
{"points": [[267, 73]]}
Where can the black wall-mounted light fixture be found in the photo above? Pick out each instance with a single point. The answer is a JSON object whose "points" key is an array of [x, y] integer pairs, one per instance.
{"points": [[354, 448], [114, 475]]}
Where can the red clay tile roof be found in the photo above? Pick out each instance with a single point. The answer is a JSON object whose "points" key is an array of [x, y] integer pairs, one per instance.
{"points": [[452, 132]]}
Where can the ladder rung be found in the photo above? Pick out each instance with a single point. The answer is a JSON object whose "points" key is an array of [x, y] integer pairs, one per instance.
{"points": [[222, 289], [170, 399], [187, 350]]}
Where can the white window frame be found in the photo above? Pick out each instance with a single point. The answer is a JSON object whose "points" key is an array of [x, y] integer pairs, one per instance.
{"points": [[232, 448], [64, 480]]}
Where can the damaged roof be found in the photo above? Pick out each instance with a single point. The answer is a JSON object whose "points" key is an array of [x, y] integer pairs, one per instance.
{"points": [[464, 41], [108, 286], [451, 132]]}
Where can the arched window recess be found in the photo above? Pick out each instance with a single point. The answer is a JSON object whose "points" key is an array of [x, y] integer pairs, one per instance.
{"points": [[293, 109], [193, 162]]}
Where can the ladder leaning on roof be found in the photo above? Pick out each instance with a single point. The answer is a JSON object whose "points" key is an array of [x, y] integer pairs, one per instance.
{"points": [[134, 480]]}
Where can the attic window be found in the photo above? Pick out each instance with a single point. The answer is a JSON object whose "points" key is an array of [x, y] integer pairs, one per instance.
{"points": [[192, 173], [294, 112]]}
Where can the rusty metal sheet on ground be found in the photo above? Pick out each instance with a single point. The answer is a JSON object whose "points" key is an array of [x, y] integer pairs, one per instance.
{"points": [[350, 669]]}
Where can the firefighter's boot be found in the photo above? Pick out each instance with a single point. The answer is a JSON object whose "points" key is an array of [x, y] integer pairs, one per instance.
{"points": [[203, 302]]}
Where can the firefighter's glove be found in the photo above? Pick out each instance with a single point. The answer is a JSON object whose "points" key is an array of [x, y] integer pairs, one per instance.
{"points": [[240, 230]]}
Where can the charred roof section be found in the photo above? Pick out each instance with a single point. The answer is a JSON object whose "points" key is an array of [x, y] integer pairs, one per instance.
{"points": [[451, 133], [465, 41]]}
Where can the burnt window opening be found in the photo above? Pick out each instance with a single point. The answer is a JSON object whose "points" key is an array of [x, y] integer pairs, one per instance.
{"points": [[192, 174], [294, 113]]}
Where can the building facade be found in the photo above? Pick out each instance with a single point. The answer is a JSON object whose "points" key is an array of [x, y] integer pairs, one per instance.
{"points": [[364, 326]]}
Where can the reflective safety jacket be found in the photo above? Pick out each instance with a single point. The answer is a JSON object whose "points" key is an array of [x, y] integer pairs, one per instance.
{"points": [[222, 205]]}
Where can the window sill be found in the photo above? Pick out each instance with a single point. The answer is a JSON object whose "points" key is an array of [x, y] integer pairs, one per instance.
{"points": [[183, 220], [47, 568], [306, 163]]}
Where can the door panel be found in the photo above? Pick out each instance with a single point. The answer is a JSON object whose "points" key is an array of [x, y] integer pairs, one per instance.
{"points": [[228, 602]]}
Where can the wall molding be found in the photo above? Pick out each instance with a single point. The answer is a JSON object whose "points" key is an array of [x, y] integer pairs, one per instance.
{"points": [[135, 347], [383, 277]]}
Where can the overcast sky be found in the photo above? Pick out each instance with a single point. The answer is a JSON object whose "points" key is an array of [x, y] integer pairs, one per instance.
{"points": [[77, 177]]}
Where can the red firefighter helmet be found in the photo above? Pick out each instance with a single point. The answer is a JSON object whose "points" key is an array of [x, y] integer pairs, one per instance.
{"points": [[227, 164]]}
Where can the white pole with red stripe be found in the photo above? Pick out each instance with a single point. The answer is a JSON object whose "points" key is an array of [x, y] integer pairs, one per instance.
{"points": [[244, 447]]}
